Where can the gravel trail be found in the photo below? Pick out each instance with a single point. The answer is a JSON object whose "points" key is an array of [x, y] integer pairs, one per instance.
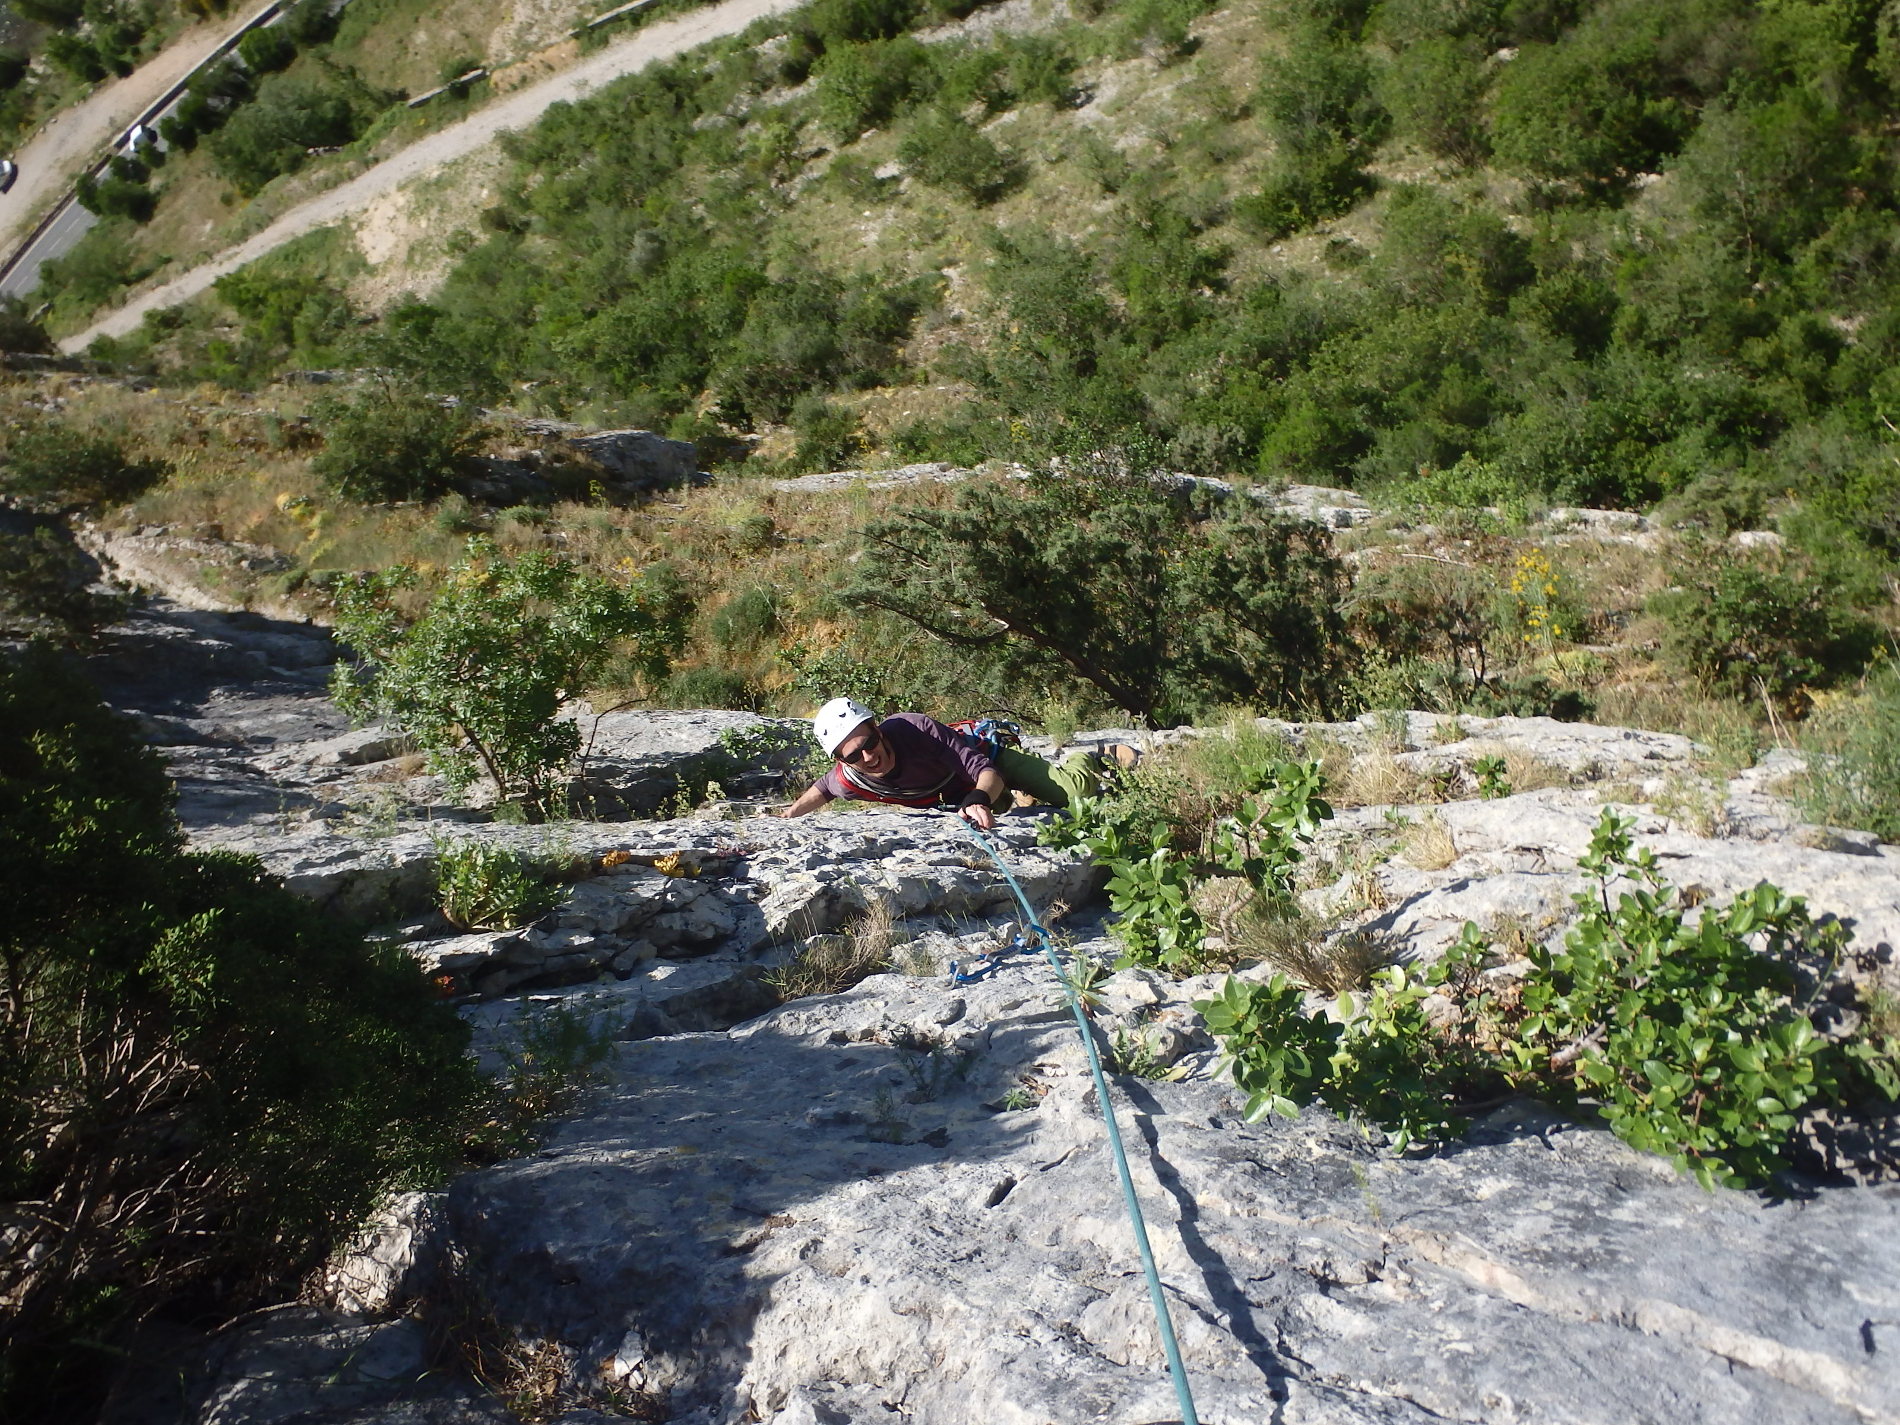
{"points": [[654, 42]]}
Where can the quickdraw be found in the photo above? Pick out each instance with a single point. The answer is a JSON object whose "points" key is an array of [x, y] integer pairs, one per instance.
{"points": [[983, 965]]}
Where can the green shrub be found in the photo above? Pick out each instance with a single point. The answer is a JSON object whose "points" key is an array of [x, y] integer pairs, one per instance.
{"points": [[1692, 1038], [1434, 91], [708, 687], [1854, 760], [1318, 97], [19, 331], [1609, 100], [1752, 632], [840, 22], [483, 886], [45, 583], [50, 463], [274, 133], [944, 151], [1038, 70], [830, 437], [1163, 605], [481, 676], [115, 197], [390, 444], [268, 49], [204, 1081], [1252, 822], [1305, 189], [746, 620], [311, 22], [861, 86]]}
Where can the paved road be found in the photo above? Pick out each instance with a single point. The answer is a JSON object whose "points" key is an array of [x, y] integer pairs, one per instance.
{"points": [[74, 139], [56, 241], [513, 111]]}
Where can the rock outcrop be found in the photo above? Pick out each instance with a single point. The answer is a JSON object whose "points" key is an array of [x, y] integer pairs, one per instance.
{"points": [[896, 1202]]}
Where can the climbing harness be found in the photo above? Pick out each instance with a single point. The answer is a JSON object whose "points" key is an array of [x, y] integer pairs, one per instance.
{"points": [[1034, 932]]}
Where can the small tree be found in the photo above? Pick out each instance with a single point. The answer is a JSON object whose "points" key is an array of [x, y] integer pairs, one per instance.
{"points": [[392, 444], [480, 678], [50, 463], [1168, 604]]}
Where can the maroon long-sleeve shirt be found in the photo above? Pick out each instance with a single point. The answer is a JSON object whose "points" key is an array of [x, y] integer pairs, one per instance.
{"points": [[934, 763]]}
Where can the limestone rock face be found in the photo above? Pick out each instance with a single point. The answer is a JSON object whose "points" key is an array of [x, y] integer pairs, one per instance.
{"points": [[896, 1202], [899, 1200]]}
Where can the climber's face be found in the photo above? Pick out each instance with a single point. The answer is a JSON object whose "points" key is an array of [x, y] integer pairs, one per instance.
{"points": [[867, 750]]}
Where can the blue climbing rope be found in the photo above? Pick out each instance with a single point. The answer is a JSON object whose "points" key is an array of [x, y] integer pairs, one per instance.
{"points": [[1032, 926]]}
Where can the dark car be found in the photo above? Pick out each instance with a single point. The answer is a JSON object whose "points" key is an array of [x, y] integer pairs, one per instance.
{"points": [[9, 170]]}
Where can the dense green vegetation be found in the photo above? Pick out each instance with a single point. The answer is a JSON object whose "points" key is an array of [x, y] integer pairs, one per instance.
{"points": [[1696, 1039], [1668, 273], [480, 675], [1478, 255], [206, 1081]]}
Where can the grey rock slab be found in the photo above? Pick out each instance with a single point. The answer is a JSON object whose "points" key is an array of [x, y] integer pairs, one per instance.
{"points": [[1577, 747], [801, 1212], [389, 1261], [305, 1367], [1556, 825]]}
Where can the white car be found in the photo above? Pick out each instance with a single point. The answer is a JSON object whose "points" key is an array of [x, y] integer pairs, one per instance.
{"points": [[137, 137]]}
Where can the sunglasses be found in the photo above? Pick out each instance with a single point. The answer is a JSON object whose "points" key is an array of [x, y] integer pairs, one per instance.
{"points": [[860, 754]]}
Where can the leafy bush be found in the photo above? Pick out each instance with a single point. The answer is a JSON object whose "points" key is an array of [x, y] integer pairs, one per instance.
{"points": [[1434, 91], [1693, 1038], [481, 676], [50, 463], [267, 49], [861, 86], [1606, 102], [944, 151], [274, 133], [830, 437], [391, 444], [746, 620], [19, 331], [1305, 189], [45, 581], [115, 197], [1318, 96], [310, 22], [1753, 632], [1272, 810], [204, 1081], [483, 886], [1854, 760], [708, 687], [1162, 605]]}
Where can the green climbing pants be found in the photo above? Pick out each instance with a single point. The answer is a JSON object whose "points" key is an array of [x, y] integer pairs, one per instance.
{"points": [[1077, 775]]}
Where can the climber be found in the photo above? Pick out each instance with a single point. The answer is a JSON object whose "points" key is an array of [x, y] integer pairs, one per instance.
{"points": [[914, 760]]}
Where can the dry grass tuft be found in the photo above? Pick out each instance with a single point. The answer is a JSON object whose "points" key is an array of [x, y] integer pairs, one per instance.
{"points": [[1429, 845], [1528, 773], [1377, 778], [832, 964], [1298, 946]]}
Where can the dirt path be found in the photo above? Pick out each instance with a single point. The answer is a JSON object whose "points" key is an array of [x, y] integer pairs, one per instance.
{"points": [[78, 137], [516, 110]]}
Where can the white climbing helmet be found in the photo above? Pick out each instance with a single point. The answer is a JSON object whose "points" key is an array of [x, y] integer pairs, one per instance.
{"points": [[837, 720]]}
